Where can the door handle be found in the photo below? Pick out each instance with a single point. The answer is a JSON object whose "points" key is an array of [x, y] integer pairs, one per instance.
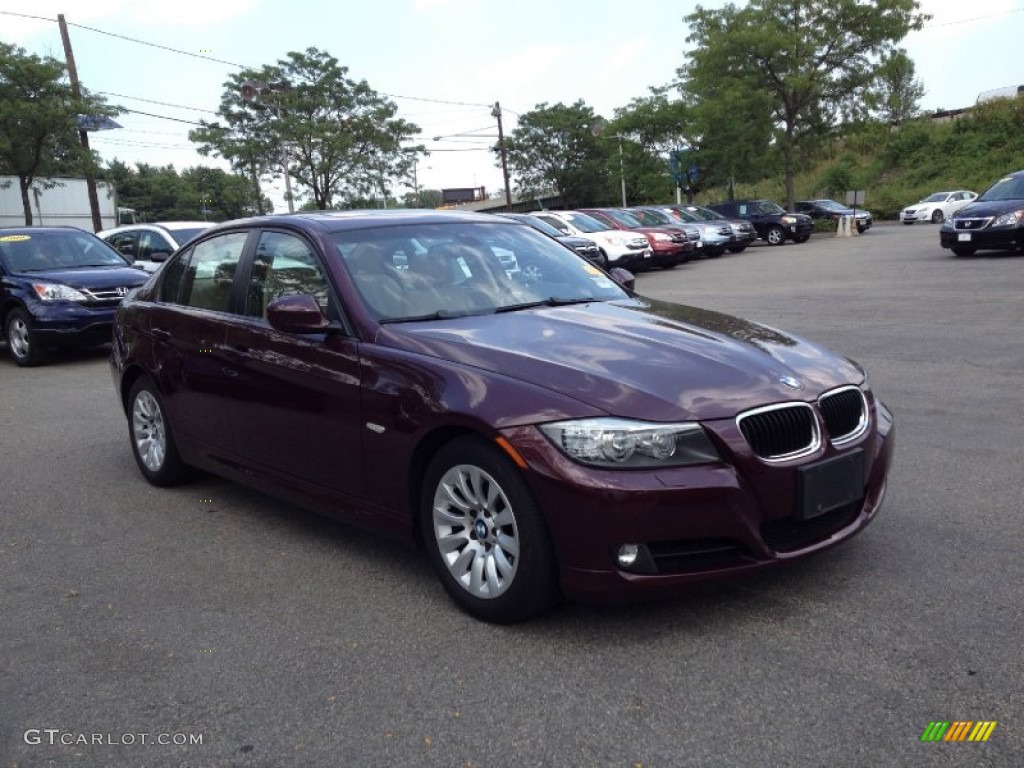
{"points": [[161, 334]]}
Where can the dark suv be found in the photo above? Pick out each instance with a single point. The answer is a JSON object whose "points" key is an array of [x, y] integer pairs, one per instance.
{"points": [[773, 223], [58, 287], [994, 221], [830, 209]]}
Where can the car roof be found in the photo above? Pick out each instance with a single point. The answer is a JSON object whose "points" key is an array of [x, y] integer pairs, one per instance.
{"points": [[42, 230], [337, 221]]}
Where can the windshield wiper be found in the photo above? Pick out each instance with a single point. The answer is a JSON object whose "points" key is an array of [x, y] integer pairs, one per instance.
{"points": [[441, 314], [550, 301]]}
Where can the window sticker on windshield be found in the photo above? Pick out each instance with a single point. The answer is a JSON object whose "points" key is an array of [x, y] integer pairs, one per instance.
{"points": [[14, 238], [602, 282], [591, 269]]}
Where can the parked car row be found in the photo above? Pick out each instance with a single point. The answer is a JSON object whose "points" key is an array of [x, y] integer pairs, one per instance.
{"points": [[644, 237]]}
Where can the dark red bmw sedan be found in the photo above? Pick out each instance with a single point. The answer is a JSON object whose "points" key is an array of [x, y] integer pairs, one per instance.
{"points": [[464, 381]]}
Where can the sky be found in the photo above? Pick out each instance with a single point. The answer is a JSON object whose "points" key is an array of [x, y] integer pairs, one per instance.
{"points": [[444, 63]]}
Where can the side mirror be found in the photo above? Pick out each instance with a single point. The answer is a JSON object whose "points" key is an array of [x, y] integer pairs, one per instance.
{"points": [[623, 277], [298, 313], [159, 255]]}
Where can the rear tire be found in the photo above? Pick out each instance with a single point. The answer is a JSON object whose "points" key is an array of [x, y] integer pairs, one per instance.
{"points": [[150, 434], [485, 535], [22, 340]]}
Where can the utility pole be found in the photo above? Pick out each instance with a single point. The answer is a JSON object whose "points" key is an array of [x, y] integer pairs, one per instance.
{"points": [[83, 135], [496, 112], [622, 171]]}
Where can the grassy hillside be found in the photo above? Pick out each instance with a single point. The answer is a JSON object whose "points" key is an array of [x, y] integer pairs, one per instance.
{"points": [[899, 167]]}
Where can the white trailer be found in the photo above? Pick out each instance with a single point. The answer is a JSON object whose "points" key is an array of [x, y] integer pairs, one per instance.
{"points": [[64, 205]]}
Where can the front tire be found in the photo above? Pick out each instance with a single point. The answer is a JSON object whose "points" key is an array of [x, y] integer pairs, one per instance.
{"points": [[152, 440], [737, 248], [962, 250], [801, 238], [775, 235], [485, 536], [22, 340], [937, 217]]}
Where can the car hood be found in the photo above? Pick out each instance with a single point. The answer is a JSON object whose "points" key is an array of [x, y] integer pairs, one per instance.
{"points": [[91, 278], [989, 208], [640, 358], [575, 242]]}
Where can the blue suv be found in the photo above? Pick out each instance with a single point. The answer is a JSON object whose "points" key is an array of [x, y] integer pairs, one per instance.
{"points": [[59, 287]]}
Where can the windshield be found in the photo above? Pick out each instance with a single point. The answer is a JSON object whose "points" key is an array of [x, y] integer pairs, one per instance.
{"points": [[182, 236], [702, 213], [1010, 188], [42, 251], [436, 271], [653, 218], [539, 224], [831, 205], [624, 218], [938, 197], [585, 223], [767, 206]]}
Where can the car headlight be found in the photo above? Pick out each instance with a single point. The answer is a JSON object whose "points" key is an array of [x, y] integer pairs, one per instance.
{"points": [[789, 219], [661, 237], [1009, 219], [614, 443], [708, 231], [619, 240], [57, 292]]}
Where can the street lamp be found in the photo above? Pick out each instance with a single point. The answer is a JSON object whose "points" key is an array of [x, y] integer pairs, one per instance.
{"points": [[251, 91], [597, 129]]}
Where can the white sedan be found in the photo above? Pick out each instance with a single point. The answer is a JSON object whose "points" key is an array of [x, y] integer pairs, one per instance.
{"points": [[938, 207]]}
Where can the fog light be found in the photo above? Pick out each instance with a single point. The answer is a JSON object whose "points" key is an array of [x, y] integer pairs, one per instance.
{"points": [[627, 554]]}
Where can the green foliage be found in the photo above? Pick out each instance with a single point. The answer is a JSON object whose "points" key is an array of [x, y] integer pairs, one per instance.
{"points": [[553, 148], [807, 60], [343, 138], [162, 194], [38, 131]]}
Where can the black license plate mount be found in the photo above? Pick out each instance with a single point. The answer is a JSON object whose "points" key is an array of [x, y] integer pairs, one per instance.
{"points": [[829, 484]]}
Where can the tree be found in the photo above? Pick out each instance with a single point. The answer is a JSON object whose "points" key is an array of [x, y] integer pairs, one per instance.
{"points": [[162, 194], [807, 56], [38, 120], [897, 94], [343, 138], [654, 128], [554, 149]]}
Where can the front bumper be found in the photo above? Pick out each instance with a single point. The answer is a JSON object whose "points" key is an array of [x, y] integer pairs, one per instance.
{"points": [[66, 323], [909, 217], [697, 523], [994, 238]]}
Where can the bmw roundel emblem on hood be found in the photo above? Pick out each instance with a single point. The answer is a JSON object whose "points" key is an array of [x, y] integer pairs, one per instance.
{"points": [[792, 382]]}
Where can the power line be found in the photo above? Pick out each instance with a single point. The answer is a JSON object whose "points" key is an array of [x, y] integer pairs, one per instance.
{"points": [[157, 45], [161, 117], [976, 18], [153, 101]]}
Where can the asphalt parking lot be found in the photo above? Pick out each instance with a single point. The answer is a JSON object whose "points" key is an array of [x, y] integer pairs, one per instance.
{"points": [[279, 638]]}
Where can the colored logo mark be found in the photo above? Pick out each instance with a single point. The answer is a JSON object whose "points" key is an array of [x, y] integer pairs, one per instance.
{"points": [[959, 730]]}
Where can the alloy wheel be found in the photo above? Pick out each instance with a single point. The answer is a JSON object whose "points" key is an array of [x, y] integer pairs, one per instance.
{"points": [[476, 532], [149, 431]]}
